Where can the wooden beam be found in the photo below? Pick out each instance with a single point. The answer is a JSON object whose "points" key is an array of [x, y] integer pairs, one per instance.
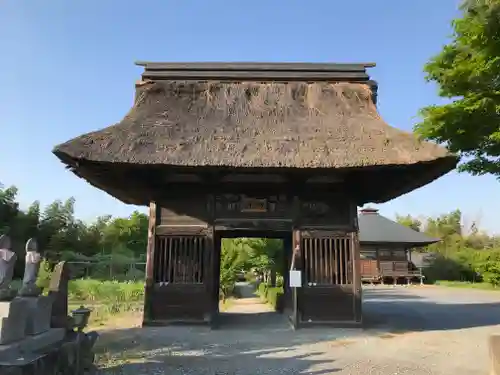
{"points": [[256, 178], [256, 76], [336, 179], [256, 66]]}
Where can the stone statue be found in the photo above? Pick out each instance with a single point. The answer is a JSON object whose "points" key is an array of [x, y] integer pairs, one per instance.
{"points": [[7, 261], [33, 259]]}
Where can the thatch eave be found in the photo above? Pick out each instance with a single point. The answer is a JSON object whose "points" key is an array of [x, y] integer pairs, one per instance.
{"points": [[331, 124], [402, 179]]}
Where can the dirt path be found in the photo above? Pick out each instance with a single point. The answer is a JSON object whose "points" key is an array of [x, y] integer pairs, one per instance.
{"points": [[248, 303]]}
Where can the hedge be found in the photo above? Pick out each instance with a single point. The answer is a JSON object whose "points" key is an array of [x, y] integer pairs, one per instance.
{"points": [[272, 295]]}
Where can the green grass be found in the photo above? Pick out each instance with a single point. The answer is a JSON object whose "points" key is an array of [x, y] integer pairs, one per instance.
{"points": [[106, 298], [466, 284], [91, 291]]}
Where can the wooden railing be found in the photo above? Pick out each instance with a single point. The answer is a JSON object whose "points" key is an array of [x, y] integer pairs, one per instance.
{"points": [[373, 270]]}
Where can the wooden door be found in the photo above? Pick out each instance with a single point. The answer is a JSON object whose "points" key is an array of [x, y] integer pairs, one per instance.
{"points": [[182, 278], [330, 282]]}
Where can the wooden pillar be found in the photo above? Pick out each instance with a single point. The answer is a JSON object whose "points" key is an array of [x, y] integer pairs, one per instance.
{"points": [[212, 277], [149, 284], [296, 264], [288, 250], [358, 311]]}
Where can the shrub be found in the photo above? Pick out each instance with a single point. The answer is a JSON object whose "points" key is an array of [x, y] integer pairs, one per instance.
{"points": [[272, 295], [448, 268], [262, 290], [44, 274]]}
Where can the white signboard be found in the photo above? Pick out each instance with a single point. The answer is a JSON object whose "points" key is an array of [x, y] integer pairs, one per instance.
{"points": [[295, 279]]}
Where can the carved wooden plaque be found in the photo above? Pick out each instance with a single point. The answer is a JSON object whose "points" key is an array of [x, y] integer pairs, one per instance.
{"points": [[253, 205], [240, 204], [315, 208]]}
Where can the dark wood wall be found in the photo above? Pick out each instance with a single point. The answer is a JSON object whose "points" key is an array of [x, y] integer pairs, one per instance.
{"points": [[183, 258]]}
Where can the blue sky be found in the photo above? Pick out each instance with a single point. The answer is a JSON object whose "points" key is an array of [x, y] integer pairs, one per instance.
{"points": [[67, 68]]}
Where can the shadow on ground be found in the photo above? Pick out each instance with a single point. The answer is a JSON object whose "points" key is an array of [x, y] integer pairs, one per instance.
{"points": [[209, 361], [264, 343], [269, 321], [421, 309]]}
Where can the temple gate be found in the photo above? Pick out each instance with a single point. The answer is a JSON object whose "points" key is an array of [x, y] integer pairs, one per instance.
{"points": [[286, 150]]}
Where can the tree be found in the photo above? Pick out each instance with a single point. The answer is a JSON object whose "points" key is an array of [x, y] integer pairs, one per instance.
{"points": [[9, 208], [468, 71], [409, 221], [233, 259]]}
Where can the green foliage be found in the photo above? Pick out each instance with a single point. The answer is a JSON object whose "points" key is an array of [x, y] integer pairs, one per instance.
{"points": [[463, 254], [467, 70], [233, 258], [119, 241], [44, 275], [91, 291], [449, 268], [410, 222], [272, 295], [246, 255]]}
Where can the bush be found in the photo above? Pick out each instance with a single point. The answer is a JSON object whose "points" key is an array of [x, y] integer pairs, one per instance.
{"points": [[487, 264], [449, 268], [44, 275], [272, 295], [466, 265], [262, 290]]}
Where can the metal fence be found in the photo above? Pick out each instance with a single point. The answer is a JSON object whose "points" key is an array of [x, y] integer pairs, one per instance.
{"points": [[108, 270]]}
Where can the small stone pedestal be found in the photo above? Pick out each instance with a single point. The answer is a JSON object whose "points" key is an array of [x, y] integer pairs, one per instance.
{"points": [[13, 319], [494, 346], [39, 313]]}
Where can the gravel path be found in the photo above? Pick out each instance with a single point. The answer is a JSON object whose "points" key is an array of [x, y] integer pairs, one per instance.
{"points": [[418, 330]]}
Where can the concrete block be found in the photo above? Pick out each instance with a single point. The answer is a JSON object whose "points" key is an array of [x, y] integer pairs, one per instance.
{"points": [[39, 313], [31, 344], [13, 319]]}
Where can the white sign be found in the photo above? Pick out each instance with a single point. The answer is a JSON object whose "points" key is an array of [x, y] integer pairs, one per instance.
{"points": [[295, 279]]}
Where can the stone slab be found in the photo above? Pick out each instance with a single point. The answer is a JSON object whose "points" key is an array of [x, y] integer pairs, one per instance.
{"points": [[13, 318], [31, 344], [39, 313]]}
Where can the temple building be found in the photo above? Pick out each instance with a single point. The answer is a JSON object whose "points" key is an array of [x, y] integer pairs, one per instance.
{"points": [[386, 249]]}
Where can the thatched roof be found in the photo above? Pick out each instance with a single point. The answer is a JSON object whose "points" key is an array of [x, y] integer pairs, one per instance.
{"points": [[330, 123]]}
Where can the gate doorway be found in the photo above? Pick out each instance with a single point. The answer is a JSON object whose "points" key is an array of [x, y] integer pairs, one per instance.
{"points": [[246, 260]]}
